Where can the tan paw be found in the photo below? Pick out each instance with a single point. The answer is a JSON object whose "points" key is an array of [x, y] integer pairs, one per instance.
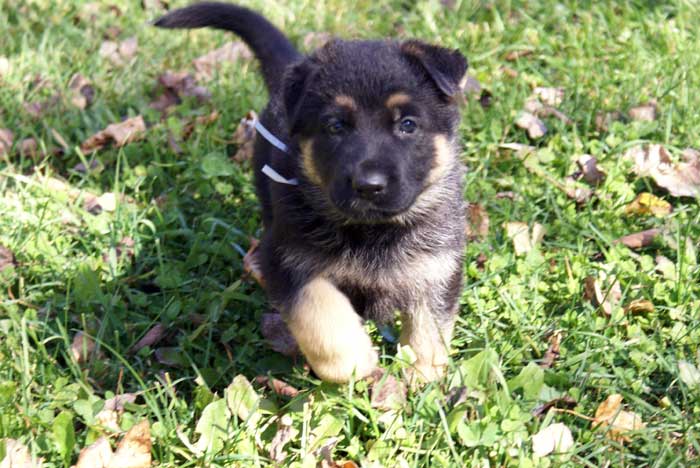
{"points": [[341, 368]]}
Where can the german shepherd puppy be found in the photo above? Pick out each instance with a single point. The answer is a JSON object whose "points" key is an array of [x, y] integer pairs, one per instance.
{"points": [[367, 130]]}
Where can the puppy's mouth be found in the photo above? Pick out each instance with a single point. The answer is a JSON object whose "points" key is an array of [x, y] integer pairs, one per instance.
{"points": [[360, 211]]}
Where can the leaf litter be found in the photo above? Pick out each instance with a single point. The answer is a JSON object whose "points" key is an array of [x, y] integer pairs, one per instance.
{"points": [[555, 438], [617, 422], [230, 52], [681, 179], [119, 134]]}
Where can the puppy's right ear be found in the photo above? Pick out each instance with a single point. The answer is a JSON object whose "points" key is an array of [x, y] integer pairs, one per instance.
{"points": [[295, 87]]}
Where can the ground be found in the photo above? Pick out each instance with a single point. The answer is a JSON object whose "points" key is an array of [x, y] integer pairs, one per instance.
{"points": [[147, 239]]}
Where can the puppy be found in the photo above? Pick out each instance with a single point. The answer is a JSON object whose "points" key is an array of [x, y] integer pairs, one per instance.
{"points": [[357, 170]]}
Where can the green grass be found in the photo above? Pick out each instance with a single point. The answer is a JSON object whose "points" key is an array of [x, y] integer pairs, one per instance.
{"points": [[191, 227]]}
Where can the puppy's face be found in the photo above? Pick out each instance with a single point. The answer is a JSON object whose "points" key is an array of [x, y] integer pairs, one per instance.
{"points": [[375, 124]]}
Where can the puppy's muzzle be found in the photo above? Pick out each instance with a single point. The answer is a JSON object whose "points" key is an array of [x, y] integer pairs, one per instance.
{"points": [[369, 184]]}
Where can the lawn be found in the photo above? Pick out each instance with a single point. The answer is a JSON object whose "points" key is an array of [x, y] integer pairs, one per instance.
{"points": [[123, 295]]}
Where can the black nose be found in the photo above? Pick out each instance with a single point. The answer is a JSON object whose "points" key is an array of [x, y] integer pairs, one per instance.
{"points": [[369, 184]]}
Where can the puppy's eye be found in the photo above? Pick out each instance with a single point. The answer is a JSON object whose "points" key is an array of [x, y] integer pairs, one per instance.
{"points": [[335, 127], [407, 125]]}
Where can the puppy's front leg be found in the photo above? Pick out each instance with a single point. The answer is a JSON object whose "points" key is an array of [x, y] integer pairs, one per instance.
{"points": [[429, 335], [330, 333]]}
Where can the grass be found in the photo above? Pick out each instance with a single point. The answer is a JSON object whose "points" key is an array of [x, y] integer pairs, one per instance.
{"points": [[191, 225]]}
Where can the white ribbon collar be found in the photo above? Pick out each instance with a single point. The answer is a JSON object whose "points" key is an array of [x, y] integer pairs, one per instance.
{"points": [[279, 144]]}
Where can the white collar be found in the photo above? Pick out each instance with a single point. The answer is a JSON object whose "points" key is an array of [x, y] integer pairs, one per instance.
{"points": [[279, 144]]}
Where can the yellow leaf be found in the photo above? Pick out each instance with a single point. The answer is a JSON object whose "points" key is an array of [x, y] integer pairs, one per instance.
{"points": [[616, 421], [648, 204]]}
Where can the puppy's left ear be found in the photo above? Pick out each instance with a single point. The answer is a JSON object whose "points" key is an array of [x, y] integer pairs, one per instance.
{"points": [[446, 67]]}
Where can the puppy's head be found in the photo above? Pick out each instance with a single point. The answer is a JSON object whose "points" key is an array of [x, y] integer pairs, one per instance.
{"points": [[375, 123]]}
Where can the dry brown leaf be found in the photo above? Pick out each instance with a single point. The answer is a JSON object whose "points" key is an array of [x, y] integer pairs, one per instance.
{"points": [[477, 222], [644, 112], [120, 134], [82, 92], [523, 241], [552, 353], [17, 455], [229, 52], [681, 179], [117, 402], [109, 420], [316, 40], [603, 120], [387, 392], [285, 433], [82, 348], [640, 306], [606, 300], [278, 386], [119, 53], [639, 240], [648, 204], [665, 267], [616, 421], [134, 450], [200, 120], [28, 147], [565, 402], [6, 139], [509, 72], [97, 455], [534, 126], [592, 174], [514, 55], [550, 96], [7, 258], [278, 336], [152, 336], [176, 85], [37, 109], [244, 137]]}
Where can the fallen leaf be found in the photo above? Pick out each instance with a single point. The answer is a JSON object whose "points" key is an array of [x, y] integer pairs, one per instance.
{"points": [[97, 204], [134, 450], [176, 85], [82, 348], [97, 455], [534, 126], [6, 139], [593, 293], [681, 179], [520, 149], [640, 306], [200, 120], [617, 422], [644, 112], [535, 107], [119, 133], [588, 165], [251, 265], [603, 120], [28, 147], [277, 335], [514, 55], [7, 258], [565, 402], [109, 420], [554, 438], [17, 455], [387, 392], [648, 204], [477, 221], [117, 402], [37, 109], [152, 336], [244, 137], [550, 96], [509, 72], [315, 40], [639, 240], [229, 52], [278, 386], [157, 5], [510, 195], [552, 353], [82, 92], [285, 433], [523, 241], [119, 53]]}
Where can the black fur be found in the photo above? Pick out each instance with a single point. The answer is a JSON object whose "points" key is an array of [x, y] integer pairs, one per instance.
{"points": [[367, 245]]}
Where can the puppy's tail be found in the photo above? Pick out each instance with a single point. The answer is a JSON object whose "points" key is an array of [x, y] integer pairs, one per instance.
{"points": [[271, 47]]}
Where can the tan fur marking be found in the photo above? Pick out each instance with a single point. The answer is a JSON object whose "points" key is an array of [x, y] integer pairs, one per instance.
{"points": [[430, 342], [397, 99], [346, 101], [307, 161], [442, 157], [330, 333]]}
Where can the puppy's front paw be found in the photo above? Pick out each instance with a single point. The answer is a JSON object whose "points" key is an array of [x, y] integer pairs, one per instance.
{"points": [[424, 372], [358, 361]]}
